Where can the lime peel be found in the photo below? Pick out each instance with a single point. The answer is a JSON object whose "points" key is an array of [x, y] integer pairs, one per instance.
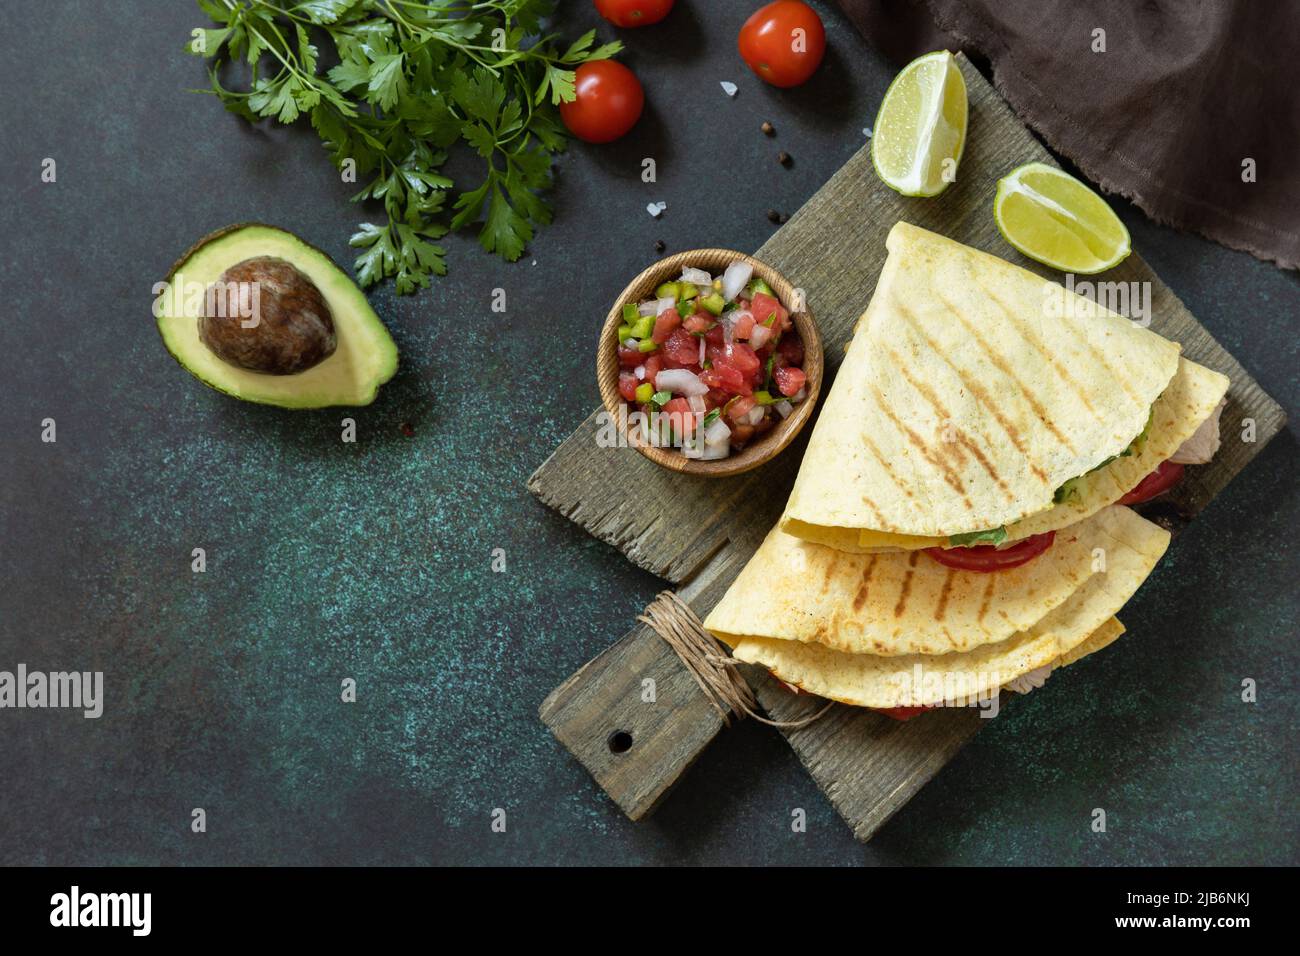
{"points": [[921, 126], [1059, 221]]}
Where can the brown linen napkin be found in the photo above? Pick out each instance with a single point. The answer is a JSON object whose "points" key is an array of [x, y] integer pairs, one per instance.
{"points": [[1185, 93]]}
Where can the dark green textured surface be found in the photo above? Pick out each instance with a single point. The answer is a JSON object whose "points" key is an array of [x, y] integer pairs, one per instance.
{"points": [[372, 560]]}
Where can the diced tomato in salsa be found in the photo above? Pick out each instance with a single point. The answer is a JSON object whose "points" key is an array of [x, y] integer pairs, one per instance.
{"points": [[740, 408], [764, 307], [698, 322], [791, 348], [681, 349], [627, 383], [714, 336], [726, 377], [744, 358], [742, 324], [629, 358], [664, 325], [789, 379], [652, 366], [716, 398], [681, 416], [738, 355]]}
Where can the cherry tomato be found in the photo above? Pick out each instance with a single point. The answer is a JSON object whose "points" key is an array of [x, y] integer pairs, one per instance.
{"points": [[608, 104], [633, 13], [1158, 482], [783, 42], [985, 557]]}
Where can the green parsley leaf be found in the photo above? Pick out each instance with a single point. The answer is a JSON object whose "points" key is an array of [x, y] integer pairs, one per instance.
{"points": [[408, 82]]}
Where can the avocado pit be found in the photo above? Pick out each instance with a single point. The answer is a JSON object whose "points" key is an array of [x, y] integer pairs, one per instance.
{"points": [[265, 315]]}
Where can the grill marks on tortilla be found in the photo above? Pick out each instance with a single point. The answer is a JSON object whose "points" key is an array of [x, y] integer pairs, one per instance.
{"points": [[976, 389], [874, 509], [864, 589], [829, 574], [962, 438], [1001, 364], [884, 463], [1047, 356], [988, 596], [942, 607], [949, 475], [1099, 357], [907, 584]]}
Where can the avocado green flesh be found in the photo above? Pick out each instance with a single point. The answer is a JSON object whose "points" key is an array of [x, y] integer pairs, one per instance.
{"points": [[365, 358]]}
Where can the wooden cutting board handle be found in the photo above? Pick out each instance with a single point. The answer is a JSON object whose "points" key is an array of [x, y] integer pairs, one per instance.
{"points": [[635, 718], [637, 748]]}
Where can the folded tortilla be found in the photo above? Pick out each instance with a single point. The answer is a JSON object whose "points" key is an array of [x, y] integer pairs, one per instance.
{"points": [[910, 680], [1189, 400], [966, 400], [1099, 639], [897, 603]]}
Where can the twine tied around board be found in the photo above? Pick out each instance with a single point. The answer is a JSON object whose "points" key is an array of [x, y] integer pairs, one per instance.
{"points": [[681, 629]]}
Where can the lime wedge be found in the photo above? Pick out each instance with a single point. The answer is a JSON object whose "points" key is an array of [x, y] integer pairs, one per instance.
{"points": [[1052, 217], [920, 130]]}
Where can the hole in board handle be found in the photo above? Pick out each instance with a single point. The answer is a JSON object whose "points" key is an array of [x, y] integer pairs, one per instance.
{"points": [[620, 742]]}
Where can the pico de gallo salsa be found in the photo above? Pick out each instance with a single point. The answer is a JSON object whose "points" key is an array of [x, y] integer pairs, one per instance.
{"points": [[711, 362]]}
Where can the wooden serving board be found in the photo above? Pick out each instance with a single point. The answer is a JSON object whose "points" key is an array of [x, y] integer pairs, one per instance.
{"points": [[697, 533]]}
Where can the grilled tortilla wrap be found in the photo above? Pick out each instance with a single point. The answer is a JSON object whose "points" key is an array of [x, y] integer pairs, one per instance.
{"points": [[911, 680], [1189, 400], [963, 404], [897, 603]]}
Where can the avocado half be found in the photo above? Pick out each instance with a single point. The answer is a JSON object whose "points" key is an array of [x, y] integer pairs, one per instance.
{"points": [[364, 358]]}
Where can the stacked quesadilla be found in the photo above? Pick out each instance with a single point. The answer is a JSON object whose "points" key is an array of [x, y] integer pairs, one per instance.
{"points": [[958, 524]]}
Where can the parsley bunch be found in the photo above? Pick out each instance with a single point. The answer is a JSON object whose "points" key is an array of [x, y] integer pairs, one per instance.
{"points": [[409, 80]]}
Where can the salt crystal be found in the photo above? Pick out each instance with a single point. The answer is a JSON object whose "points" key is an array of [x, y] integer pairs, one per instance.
{"points": [[729, 88]]}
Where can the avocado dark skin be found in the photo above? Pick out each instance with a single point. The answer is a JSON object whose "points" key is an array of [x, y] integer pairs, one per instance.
{"points": [[295, 330]]}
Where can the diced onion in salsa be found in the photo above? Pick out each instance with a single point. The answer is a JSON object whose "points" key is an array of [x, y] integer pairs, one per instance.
{"points": [[680, 381], [734, 279]]}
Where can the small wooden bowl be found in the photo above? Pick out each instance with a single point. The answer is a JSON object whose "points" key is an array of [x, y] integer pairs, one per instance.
{"points": [[757, 452]]}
